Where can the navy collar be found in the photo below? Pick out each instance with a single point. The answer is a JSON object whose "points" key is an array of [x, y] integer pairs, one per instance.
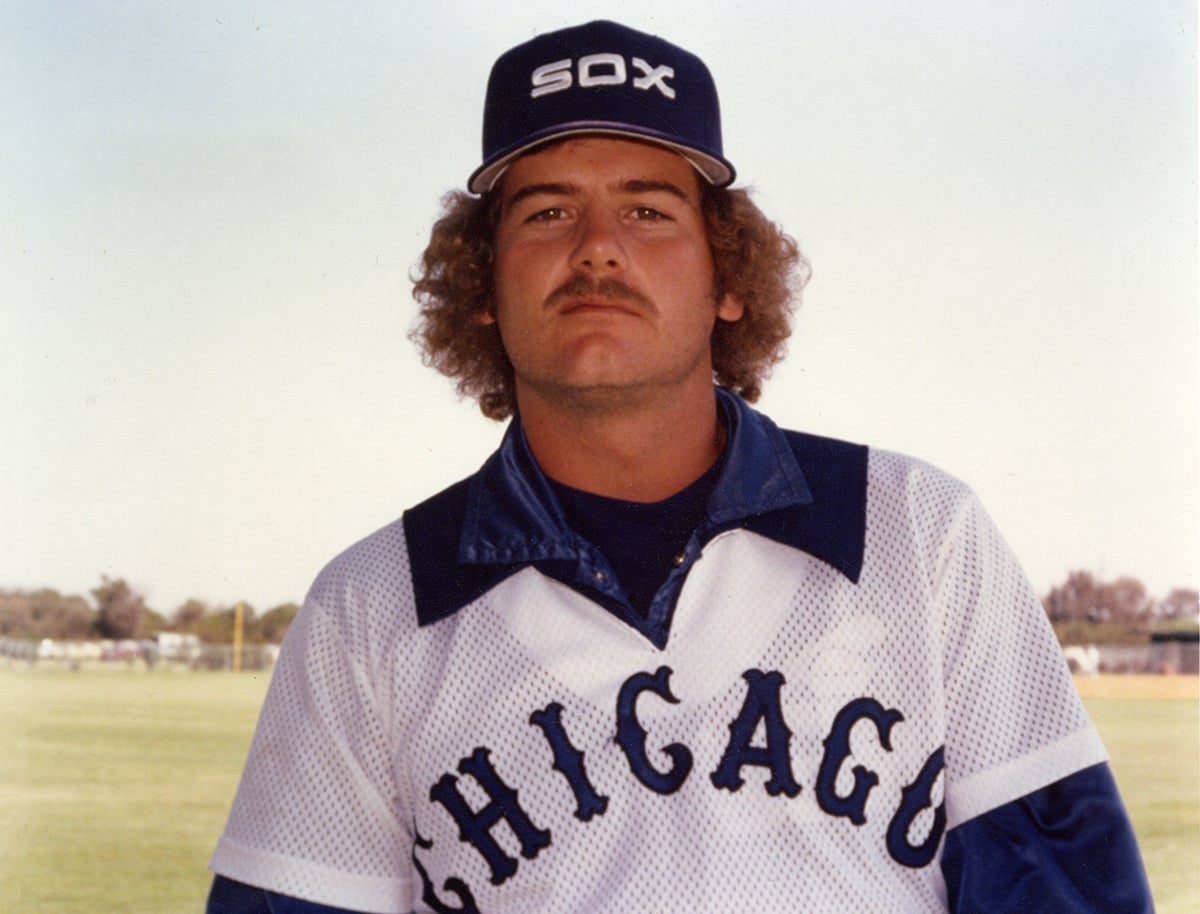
{"points": [[800, 490], [513, 515]]}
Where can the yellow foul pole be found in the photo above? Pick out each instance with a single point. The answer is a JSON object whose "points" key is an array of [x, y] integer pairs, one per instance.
{"points": [[239, 620]]}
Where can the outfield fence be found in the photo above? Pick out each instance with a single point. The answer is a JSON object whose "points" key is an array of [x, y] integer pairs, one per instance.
{"points": [[1172, 653], [141, 655], [1166, 653]]}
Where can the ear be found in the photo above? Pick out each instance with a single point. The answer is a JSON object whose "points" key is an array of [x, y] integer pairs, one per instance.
{"points": [[486, 317], [730, 308]]}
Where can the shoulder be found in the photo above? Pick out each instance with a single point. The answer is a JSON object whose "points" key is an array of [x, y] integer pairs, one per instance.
{"points": [[433, 532], [364, 603], [379, 567], [891, 489], [915, 479], [373, 567], [829, 462], [437, 522], [904, 491], [358, 605], [913, 514], [842, 469]]}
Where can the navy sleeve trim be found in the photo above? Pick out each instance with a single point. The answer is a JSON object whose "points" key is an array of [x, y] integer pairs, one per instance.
{"points": [[287, 904], [441, 584], [833, 527], [1065, 849], [229, 897]]}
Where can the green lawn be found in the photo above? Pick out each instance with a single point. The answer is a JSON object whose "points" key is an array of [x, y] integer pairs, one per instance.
{"points": [[114, 786], [1155, 748]]}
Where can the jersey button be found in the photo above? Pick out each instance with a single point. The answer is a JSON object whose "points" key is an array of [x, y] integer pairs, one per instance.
{"points": [[600, 577]]}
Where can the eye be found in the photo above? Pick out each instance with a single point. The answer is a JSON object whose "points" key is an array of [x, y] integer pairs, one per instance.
{"points": [[549, 214], [648, 214]]}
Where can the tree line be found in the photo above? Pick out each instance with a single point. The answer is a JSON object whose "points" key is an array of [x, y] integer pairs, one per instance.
{"points": [[119, 612], [1086, 609], [1083, 608]]}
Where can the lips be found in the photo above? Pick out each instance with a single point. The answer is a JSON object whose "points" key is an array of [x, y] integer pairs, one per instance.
{"points": [[596, 305]]}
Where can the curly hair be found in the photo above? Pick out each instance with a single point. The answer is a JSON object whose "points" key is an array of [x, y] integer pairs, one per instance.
{"points": [[752, 259]]}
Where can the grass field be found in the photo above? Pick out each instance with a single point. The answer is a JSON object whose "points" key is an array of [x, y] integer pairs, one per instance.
{"points": [[1151, 726], [114, 785]]}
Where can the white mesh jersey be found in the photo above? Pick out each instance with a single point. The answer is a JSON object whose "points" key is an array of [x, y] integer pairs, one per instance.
{"points": [[798, 739]]}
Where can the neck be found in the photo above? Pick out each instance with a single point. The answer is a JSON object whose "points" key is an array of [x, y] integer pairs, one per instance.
{"points": [[643, 453]]}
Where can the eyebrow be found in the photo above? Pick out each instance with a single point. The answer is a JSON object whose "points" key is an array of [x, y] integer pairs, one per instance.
{"points": [[646, 187], [533, 190], [566, 189]]}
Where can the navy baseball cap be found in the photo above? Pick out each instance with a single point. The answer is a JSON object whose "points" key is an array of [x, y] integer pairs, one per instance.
{"points": [[600, 78]]}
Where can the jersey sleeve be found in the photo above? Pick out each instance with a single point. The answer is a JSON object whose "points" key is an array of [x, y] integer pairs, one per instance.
{"points": [[1068, 848], [1014, 720], [1035, 822], [319, 814]]}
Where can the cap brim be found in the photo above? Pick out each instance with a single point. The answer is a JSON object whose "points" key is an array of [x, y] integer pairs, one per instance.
{"points": [[713, 169]]}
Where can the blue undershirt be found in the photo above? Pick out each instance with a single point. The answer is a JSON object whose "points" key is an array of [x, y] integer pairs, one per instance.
{"points": [[640, 540]]}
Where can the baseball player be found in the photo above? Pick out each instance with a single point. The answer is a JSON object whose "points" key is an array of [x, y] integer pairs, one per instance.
{"points": [[658, 654]]}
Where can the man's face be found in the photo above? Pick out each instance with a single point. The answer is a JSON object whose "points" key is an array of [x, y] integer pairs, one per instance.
{"points": [[603, 276]]}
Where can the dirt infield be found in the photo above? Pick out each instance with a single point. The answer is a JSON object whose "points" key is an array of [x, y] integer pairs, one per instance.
{"points": [[1135, 686]]}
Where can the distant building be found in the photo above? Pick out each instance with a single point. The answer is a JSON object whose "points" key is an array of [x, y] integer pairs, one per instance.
{"points": [[177, 646], [1083, 659], [1175, 652]]}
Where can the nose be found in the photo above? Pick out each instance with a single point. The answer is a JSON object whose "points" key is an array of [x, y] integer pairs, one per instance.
{"points": [[600, 246]]}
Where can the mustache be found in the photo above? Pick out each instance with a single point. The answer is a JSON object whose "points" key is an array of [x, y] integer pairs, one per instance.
{"points": [[579, 286]]}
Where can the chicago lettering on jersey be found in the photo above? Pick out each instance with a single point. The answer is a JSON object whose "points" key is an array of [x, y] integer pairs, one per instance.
{"points": [[599, 70], [762, 708]]}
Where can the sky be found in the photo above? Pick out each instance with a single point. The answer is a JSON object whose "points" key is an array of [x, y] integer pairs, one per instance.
{"points": [[209, 213]]}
